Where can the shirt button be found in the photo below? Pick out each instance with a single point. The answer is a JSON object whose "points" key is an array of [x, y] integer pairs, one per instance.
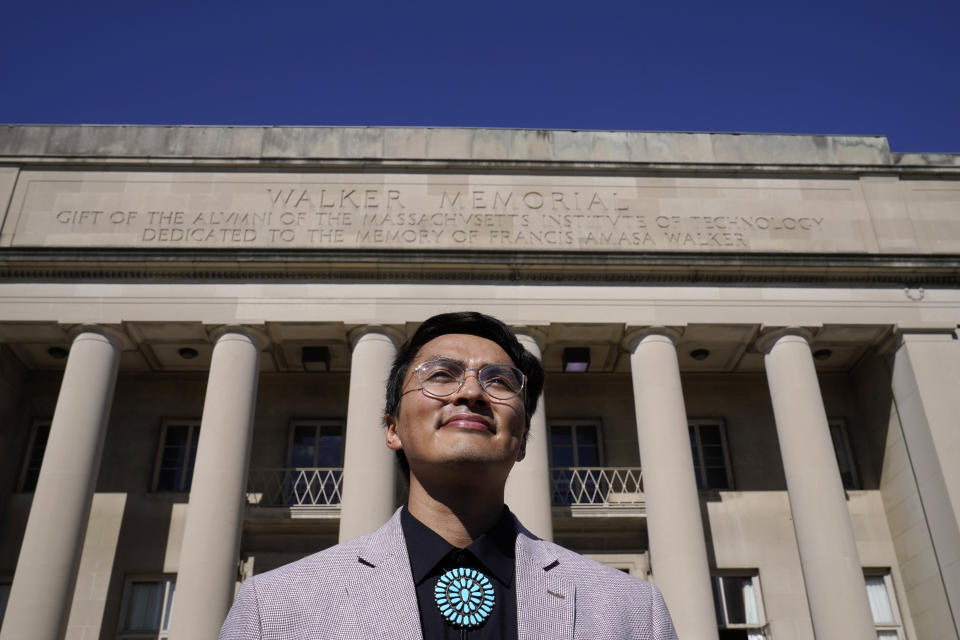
{"points": [[458, 557]]}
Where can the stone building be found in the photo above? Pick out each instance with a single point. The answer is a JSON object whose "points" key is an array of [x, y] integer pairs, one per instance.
{"points": [[751, 344]]}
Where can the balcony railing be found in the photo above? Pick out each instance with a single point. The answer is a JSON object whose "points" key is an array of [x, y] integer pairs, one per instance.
{"points": [[600, 487], [320, 489], [299, 488]]}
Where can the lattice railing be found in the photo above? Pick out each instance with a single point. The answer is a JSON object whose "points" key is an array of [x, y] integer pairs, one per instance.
{"points": [[598, 486], [301, 487]]}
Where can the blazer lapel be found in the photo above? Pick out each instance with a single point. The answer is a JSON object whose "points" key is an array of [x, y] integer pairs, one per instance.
{"points": [[382, 587], [546, 598]]}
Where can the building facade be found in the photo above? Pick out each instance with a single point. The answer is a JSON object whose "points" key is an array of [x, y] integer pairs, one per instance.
{"points": [[750, 343]]}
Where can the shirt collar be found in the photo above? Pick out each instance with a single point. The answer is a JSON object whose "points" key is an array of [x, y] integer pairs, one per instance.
{"points": [[494, 549]]}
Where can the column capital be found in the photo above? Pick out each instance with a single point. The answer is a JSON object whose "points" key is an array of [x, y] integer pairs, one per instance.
{"points": [[634, 335], [770, 335], [119, 339], [395, 335], [537, 334], [256, 335]]}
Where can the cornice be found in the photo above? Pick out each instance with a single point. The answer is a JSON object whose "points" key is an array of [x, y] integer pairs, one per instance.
{"points": [[439, 148], [33, 265]]}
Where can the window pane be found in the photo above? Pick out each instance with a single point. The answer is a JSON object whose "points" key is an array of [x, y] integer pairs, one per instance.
{"points": [[710, 434], [717, 478], [175, 446], [888, 634], [191, 458], [844, 459], [172, 458], [588, 446], [750, 602], [143, 607], [733, 595], [717, 601], [330, 447], [167, 480], [35, 457], [561, 445], [171, 587], [695, 452], [177, 457], [713, 456], [879, 600], [304, 446]]}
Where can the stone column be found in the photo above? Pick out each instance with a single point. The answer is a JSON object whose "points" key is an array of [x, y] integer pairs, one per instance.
{"points": [[926, 380], [678, 551], [832, 573], [46, 573], [369, 467], [528, 487], [211, 539]]}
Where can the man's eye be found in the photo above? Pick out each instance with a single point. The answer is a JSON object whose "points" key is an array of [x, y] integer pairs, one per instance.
{"points": [[501, 380], [442, 375]]}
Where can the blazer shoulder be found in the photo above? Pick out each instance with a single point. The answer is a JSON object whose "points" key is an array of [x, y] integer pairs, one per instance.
{"points": [[303, 594], [608, 598], [588, 569], [328, 567], [584, 568]]}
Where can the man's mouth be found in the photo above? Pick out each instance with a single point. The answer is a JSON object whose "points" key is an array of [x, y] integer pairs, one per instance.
{"points": [[468, 421]]}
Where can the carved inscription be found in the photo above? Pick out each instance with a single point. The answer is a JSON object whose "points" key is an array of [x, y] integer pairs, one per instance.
{"points": [[340, 214]]}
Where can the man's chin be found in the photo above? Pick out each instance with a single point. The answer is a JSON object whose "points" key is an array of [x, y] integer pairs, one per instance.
{"points": [[479, 464]]}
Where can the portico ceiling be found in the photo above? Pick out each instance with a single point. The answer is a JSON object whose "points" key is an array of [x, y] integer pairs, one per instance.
{"points": [[187, 346]]}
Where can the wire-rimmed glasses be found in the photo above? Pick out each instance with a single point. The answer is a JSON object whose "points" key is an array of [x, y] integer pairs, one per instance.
{"points": [[441, 377]]}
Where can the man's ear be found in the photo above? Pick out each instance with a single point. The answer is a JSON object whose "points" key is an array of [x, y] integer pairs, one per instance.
{"points": [[393, 438], [522, 453]]}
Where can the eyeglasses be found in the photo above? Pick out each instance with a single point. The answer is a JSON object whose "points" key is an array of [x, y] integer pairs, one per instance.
{"points": [[441, 377]]}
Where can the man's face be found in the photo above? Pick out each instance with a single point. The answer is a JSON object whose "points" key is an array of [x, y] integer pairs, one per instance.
{"points": [[467, 427]]}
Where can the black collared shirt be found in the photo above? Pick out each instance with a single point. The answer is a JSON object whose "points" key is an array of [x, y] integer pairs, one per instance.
{"points": [[492, 554]]}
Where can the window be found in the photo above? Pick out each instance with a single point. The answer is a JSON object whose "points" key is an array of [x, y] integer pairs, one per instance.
{"points": [[316, 458], [177, 456], [711, 463], [739, 607], [147, 607], [34, 458], [316, 444], [574, 445], [883, 605], [841, 446], [4, 597]]}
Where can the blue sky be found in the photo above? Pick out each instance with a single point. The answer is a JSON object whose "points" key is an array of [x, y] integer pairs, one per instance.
{"points": [[878, 68]]}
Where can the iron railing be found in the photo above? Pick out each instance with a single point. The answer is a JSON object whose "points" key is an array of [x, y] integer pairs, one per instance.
{"points": [[597, 486], [322, 487], [298, 487]]}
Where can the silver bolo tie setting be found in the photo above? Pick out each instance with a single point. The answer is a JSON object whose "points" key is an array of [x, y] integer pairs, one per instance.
{"points": [[465, 597]]}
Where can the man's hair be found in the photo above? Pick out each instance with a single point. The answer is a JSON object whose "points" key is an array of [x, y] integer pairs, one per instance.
{"points": [[470, 323]]}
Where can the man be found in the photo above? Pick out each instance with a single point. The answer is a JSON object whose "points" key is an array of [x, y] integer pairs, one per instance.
{"points": [[454, 562]]}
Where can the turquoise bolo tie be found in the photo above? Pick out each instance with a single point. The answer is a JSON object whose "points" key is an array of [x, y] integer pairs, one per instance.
{"points": [[465, 598]]}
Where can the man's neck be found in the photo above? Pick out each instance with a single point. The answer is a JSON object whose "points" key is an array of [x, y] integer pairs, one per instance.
{"points": [[457, 515]]}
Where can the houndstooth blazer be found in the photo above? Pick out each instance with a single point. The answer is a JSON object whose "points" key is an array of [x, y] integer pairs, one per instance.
{"points": [[363, 589]]}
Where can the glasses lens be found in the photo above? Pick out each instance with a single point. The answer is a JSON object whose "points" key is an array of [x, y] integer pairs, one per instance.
{"points": [[501, 381], [440, 377]]}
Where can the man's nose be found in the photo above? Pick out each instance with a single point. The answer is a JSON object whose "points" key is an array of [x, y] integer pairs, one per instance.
{"points": [[472, 388]]}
